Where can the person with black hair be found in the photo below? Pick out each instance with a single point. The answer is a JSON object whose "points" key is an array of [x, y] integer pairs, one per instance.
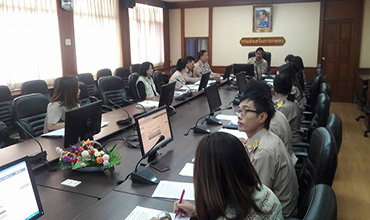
{"points": [[145, 84], [266, 150], [202, 66], [279, 124], [189, 76], [287, 104], [177, 76], [288, 58], [260, 64], [298, 63]]}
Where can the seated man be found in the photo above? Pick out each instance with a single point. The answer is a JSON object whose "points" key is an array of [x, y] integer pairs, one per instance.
{"points": [[260, 64], [189, 76], [202, 66], [267, 152]]}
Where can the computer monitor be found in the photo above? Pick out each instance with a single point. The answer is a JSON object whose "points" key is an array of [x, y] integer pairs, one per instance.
{"points": [[214, 102], [247, 68], [227, 72], [204, 81], [19, 198], [167, 94], [82, 123], [150, 127], [242, 82]]}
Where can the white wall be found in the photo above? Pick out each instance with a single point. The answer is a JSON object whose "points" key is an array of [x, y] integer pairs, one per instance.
{"points": [[196, 22], [365, 42], [298, 23], [175, 35]]}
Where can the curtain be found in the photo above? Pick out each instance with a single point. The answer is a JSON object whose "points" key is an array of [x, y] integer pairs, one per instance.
{"points": [[146, 34], [97, 35], [29, 42]]}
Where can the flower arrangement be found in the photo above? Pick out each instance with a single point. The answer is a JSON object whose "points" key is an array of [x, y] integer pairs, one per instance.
{"points": [[85, 154]]}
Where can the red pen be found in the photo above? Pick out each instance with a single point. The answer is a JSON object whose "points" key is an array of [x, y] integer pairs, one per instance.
{"points": [[182, 196]]}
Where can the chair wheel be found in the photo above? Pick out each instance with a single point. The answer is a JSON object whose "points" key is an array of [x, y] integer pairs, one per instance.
{"points": [[365, 134]]}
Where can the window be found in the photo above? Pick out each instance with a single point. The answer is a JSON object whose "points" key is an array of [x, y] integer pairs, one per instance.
{"points": [[193, 45], [96, 35], [30, 46], [146, 34]]}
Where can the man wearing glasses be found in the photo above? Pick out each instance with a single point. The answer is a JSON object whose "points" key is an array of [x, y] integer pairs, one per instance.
{"points": [[267, 152]]}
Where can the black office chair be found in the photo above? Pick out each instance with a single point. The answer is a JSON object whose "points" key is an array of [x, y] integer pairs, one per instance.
{"points": [[123, 73], [112, 91], [84, 95], [35, 86], [30, 112], [103, 72], [325, 88], [6, 100], [88, 80], [322, 110], [334, 125], [134, 68], [314, 92], [132, 86], [266, 56], [158, 81], [319, 204]]}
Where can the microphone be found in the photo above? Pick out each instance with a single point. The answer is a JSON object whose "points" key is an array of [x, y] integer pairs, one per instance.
{"points": [[143, 175], [199, 128], [189, 93], [125, 121], [37, 156]]}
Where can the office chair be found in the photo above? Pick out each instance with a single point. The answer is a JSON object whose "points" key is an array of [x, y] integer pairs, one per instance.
{"points": [[5, 139], [319, 204], [134, 68], [325, 88], [334, 125], [112, 91], [6, 100], [314, 92], [266, 56], [132, 86], [35, 86], [123, 73], [84, 95], [88, 80], [30, 112], [103, 72], [158, 81]]}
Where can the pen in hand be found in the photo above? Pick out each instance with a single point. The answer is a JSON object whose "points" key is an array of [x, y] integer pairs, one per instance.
{"points": [[182, 196]]}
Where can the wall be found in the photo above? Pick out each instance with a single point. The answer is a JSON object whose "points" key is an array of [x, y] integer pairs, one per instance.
{"points": [[365, 42], [196, 22], [298, 23], [175, 35]]}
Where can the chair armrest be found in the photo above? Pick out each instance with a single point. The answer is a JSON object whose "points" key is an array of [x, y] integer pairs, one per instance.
{"points": [[301, 154], [306, 122], [301, 144]]}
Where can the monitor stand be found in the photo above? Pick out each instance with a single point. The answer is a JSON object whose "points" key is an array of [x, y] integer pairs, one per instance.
{"points": [[171, 110], [213, 120]]}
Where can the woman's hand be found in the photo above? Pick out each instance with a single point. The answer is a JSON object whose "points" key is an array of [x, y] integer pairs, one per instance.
{"points": [[184, 209]]}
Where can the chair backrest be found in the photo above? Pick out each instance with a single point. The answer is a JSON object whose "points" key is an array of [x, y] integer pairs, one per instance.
{"points": [[323, 155], [320, 204], [6, 100], [315, 89], [158, 81], [123, 73], [103, 72], [334, 125], [325, 88], [30, 111], [132, 86], [88, 80], [35, 86], [112, 91], [84, 95], [134, 68], [266, 56], [322, 110]]}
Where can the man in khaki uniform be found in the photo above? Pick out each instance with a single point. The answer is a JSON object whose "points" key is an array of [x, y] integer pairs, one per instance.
{"points": [[260, 64], [189, 76], [267, 152], [202, 66]]}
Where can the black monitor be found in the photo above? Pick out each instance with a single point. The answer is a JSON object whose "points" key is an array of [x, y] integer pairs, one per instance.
{"points": [[242, 82], [227, 72], [166, 97], [150, 127], [204, 81], [19, 195], [214, 102], [247, 68], [82, 123]]}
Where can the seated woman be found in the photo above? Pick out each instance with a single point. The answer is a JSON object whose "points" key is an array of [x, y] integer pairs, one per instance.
{"points": [[226, 184], [287, 104], [177, 76], [145, 84], [65, 97]]}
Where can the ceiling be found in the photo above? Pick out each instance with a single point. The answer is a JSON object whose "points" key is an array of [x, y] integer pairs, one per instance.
{"points": [[180, 0]]}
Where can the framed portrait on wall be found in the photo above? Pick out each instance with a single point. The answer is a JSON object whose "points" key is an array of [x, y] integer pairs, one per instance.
{"points": [[262, 18]]}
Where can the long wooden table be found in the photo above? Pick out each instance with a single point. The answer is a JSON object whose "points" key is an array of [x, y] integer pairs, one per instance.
{"points": [[103, 185]]}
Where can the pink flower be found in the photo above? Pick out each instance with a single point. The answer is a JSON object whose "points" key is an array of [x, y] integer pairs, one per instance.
{"points": [[105, 163], [105, 157], [85, 154], [83, 164]]}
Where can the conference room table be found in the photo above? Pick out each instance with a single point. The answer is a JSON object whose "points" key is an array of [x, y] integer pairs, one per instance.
{"points": [[98, 196]]}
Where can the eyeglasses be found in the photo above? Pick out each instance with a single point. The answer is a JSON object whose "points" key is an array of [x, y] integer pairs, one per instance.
{"points": [[244, 111]]}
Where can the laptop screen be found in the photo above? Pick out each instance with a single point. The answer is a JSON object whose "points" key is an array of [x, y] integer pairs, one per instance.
{"points": [[19, 198]]}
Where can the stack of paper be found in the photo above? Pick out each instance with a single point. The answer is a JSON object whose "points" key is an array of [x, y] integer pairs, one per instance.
{"points": [[187, 170], [173, 190], [141, 213], [236, 133], [227, 117], [60, 132], [147, 104]]}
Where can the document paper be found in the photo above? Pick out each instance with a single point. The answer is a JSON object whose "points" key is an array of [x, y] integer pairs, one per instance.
{"points": [[187, 170], [173, 190], [236, 133], [141, 213], [60, 132], [227, 117]]}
